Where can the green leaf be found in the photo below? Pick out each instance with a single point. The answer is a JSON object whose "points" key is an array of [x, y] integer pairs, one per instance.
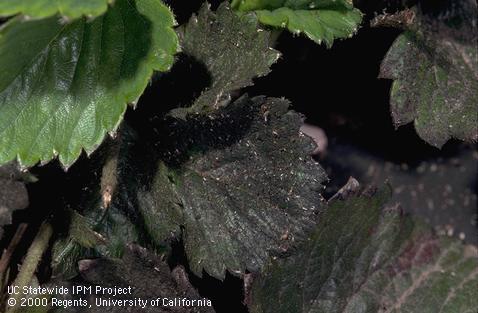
{"points": [[43, 8], [233, 49], [64, 86], [13, 194], [366, 256], [435, 71], [321, 21], [149, 278], [240, 183]]}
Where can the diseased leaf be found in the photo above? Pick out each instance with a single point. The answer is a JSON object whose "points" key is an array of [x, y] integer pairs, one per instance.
{"points": [[434, 65], [233, 49], [149, 278], [363, 258], [64, 86], [239, 182], [13, 194], [321, 21], [44, 8], [105, 233], [81, 232], [103, 228]]}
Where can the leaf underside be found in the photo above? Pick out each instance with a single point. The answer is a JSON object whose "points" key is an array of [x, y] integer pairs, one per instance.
{"points": [[239, 183], [232, 48], [434, 66], [363, 258], [321, 21], [43, 8], [64, 86]]}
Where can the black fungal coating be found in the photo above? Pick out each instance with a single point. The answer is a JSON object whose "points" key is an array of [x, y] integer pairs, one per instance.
{"points": [[236, 181], [234, 50], [367, 256], [439, 52]]}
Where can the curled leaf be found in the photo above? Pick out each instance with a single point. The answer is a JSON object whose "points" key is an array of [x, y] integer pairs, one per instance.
{"points": [[321, 21]]}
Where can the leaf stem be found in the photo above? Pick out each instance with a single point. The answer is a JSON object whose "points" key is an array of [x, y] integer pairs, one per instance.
{"points": [[33, 257], [7, 254]]}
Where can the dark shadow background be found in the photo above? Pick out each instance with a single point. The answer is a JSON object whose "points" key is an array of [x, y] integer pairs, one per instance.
{"points": [[336, 89]]}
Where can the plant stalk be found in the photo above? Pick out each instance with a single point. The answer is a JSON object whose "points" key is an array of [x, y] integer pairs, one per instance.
{"points": [[30, 264]]}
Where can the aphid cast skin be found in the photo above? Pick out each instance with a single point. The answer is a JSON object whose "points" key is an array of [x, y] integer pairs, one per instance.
{"points": [[402, 19], [109, 180]]}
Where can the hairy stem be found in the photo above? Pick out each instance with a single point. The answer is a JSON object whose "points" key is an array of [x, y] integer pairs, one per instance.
{"points": [[30, 264], [7, 254]]}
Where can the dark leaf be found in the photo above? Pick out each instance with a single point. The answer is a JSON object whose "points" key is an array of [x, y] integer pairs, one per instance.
{"points": [[240, 183], [149, 278], [434, 65], [233, 49], [365, 256], [102, 225]]}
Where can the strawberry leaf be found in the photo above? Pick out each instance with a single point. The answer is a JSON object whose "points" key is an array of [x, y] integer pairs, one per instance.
{"points": [[239, 183], [434, 65], [233, 49], [65, 86], [142, 275], [365, 256], [321, 21], [43, 8]]}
